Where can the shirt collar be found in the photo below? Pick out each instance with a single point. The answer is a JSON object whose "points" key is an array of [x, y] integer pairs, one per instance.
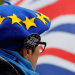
{"points": [[24, 64]]}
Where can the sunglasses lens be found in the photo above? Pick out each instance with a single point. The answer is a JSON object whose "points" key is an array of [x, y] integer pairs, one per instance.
{"points": [[41, 48]]}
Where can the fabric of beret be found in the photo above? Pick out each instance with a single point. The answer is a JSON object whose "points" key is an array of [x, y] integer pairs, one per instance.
{"points": [[16, 23]]}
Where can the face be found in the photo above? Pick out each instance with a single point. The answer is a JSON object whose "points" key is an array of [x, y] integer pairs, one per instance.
{"points": [[31, 57], [34, 57]]}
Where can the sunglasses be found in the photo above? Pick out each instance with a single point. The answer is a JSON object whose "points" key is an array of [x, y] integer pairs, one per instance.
{"points": [[42, 46], [32, 41]]}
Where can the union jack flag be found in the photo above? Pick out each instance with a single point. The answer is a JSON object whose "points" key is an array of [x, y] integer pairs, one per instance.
{"points": [[59, 55]]}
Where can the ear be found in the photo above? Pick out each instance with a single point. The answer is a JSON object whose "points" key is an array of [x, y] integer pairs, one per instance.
{"points": [[25, 53]]}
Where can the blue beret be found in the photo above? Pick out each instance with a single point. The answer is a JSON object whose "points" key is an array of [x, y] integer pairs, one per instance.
{"points": [[16, 23]]}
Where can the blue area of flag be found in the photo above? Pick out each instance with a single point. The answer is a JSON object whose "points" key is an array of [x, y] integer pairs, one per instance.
{"points": [[69, 28], [47, 69]]}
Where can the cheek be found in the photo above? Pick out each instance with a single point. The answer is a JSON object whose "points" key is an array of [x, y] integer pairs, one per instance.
{"points": [[37, 53], [34, 57]]}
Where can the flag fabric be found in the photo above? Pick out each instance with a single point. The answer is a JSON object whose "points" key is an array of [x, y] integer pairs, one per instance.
{"points": [[59, 55]]}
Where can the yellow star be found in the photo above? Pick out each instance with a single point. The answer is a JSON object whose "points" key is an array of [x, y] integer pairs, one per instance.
{"points": [[1, 19], [29, 23], [15, 19], [45, 17], [41, 18]]}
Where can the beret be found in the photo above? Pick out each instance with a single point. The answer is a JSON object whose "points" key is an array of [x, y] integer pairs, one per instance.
{"points": [[16, 23]]}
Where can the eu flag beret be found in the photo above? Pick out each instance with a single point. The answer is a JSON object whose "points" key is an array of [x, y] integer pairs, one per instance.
{"points": [[16, 23]]}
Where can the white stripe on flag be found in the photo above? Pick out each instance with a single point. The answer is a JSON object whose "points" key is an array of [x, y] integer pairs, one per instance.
{"points": [[36, 4], [62, 20], [53, 60], [61, 40]]}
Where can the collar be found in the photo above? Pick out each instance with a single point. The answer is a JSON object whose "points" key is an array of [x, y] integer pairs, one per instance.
{"points": [[22, 63]]}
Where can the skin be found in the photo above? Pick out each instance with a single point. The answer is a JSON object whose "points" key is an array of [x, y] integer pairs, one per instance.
{"points": [[32, 58]]}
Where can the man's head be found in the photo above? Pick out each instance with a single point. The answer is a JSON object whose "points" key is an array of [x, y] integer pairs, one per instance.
{"points": [[30, 51], [30, 55]]}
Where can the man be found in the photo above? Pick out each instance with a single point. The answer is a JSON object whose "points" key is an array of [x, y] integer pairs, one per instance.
{"points": [[20, 30]]}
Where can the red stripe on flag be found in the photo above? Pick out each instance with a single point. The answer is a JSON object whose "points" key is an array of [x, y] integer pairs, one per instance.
{"points": [[17, 3], [61, 7], [59, 53]]}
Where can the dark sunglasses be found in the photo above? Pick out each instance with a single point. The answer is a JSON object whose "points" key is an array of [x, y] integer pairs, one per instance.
{"points": [[42, 46]]}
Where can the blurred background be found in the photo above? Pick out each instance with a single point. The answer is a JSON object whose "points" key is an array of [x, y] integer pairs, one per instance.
{"points": [[59, 55]]}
